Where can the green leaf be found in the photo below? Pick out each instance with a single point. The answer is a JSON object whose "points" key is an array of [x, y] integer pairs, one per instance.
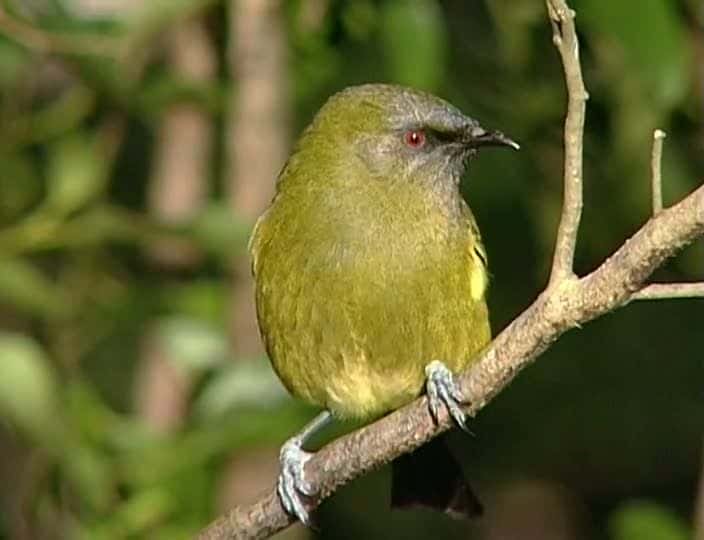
{"points": [[644, 520], [193, 345], [76, 173], [656, 48], [25, 288], [20, 186], [243, 384], [159, 93], [90, 473], [28, 386], [515, 24], [13, 60], [360, 18], [220, 231], [143, 510], [414, 38], [202, 299]]}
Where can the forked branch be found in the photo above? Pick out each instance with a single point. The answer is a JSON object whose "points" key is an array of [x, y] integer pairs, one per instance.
{"points": [[564, 36], [663, 291]]}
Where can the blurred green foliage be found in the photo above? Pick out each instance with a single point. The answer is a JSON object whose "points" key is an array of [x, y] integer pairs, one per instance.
{"points": [[641, 520], [612, 413]]}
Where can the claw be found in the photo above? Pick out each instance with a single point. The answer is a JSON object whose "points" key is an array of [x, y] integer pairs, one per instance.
{"points": [[292, 483], [443, 392]]}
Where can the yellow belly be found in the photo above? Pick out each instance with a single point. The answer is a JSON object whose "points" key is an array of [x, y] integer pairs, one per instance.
{"points": [[363, 362], [350, 326]]}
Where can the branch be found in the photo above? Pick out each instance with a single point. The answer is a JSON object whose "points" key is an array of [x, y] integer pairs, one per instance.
{"points": [[566, 303], [662, 291], [257, 125], [564, 36], [656, 169], [554, 312]]}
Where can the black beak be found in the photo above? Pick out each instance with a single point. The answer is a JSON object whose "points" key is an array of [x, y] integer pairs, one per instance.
{"points": [[477, 136]]}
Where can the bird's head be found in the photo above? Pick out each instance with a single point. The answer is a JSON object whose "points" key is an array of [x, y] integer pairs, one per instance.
{"points": [[397, 133]]}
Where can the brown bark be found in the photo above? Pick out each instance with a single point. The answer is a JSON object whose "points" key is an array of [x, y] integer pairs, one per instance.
{"points": [[177, 192], [257, 138]]}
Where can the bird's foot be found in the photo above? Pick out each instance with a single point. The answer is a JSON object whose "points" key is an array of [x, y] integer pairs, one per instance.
{"points": [[442, 391], [292, 483]]}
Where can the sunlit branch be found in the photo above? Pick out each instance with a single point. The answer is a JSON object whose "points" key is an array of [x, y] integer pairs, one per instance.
{"points": [[565, 39], [663, 291], [656, 170]]}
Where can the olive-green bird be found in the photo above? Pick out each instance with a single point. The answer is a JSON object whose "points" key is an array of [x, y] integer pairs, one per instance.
{"points": [[371, 276]]}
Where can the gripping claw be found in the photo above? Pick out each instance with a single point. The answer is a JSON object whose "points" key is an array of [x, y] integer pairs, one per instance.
{"points": [[442, 391], [292, 483]]}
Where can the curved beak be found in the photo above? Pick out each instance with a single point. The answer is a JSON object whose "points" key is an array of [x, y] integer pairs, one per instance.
{"points": [[477, 136]]}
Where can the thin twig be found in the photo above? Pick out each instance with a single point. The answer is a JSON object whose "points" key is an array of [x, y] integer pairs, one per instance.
{"points": [[663, 291], [565, 39], [656, 170]]}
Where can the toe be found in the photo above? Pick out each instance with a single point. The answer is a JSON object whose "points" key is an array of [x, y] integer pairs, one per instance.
{"points": [[443, 392], [292, 482]]}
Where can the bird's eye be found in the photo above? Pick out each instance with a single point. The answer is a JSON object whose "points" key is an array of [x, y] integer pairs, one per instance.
{"points": [[414, 138]]}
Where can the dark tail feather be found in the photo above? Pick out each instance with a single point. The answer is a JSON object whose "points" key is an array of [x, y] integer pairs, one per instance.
{"points": [[430, 476]]}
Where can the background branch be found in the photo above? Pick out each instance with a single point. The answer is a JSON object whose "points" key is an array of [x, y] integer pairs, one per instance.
{"points": [[257, 139]]}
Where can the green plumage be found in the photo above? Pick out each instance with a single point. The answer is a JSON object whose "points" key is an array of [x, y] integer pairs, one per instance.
{"points": [[368, 264]]}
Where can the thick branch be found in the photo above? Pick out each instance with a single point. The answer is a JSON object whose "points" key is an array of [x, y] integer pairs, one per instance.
{"points": [[565, 39], [567, 305]]}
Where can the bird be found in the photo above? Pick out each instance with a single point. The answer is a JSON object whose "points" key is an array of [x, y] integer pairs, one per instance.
{"points": [[370, 278]]}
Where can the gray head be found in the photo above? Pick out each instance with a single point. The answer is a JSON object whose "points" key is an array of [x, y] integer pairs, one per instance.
{"points": [[399, 130]]}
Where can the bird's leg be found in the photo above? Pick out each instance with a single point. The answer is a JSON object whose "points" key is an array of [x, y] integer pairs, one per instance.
{"points": [[293, 458], [442, 391]]}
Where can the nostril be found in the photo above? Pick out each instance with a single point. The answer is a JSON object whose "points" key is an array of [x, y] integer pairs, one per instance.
{"points": [[477, 132]]}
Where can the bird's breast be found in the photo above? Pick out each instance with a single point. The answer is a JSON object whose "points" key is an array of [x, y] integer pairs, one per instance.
{"points": [[351, 310]]}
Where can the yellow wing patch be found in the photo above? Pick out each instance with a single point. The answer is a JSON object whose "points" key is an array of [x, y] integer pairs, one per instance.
{"points": [[478, 279]]}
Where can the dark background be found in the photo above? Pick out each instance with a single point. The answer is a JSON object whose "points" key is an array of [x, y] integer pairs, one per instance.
{"points": [[139, 142]]}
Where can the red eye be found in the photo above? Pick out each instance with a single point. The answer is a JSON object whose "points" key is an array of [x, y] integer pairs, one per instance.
{"points": [[414, 138]]}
